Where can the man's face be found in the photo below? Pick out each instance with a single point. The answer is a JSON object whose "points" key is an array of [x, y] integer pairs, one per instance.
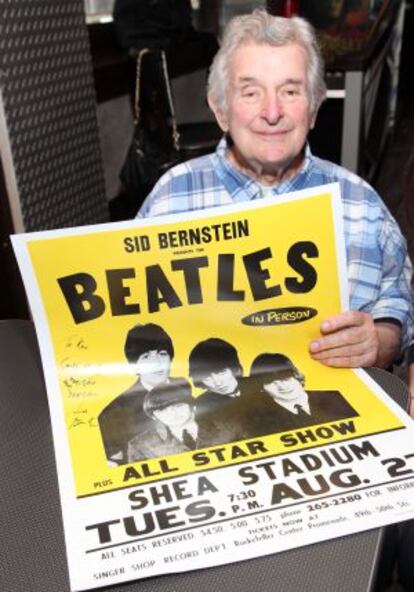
{"points": [[222, 383], [268, 114], [153, 366], [174, 415], [286, 389]]}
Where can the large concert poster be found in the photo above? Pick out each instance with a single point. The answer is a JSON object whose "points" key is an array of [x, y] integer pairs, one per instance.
{"points": [[190, 424]]}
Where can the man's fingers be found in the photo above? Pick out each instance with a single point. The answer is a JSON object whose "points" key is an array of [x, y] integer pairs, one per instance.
{"points": [[347, 356], [349, 318], [349, 339], [346, 337]]}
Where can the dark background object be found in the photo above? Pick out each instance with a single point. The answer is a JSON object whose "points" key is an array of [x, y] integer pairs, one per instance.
{"points": [[52, 172], [176, 48], [152, 23]]}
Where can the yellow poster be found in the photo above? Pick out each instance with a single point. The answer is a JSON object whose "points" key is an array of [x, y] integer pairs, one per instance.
{"points": [[168, 345]]}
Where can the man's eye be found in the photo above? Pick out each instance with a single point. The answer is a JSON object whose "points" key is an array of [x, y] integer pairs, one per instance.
{"points": [[249, 93], [291, 92]]}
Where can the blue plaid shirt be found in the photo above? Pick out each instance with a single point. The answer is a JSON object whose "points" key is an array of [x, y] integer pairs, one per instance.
{"points": [[379, 270]]}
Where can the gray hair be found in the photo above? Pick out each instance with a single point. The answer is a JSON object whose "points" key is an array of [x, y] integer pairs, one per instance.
{"points": [[263, 28]]}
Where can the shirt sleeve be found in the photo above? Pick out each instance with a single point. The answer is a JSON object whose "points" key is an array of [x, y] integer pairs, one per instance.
{"points": [[157, 202], [395, 299]]}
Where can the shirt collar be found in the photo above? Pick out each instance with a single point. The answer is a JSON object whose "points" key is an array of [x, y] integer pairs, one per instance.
{"points": [[244, 188], [303, 401]]}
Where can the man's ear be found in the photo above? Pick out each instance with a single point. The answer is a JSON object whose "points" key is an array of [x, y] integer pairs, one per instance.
{"points": [[219, 114]]}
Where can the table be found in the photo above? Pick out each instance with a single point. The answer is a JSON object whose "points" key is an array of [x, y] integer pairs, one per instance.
{"points": [[31, 533]]}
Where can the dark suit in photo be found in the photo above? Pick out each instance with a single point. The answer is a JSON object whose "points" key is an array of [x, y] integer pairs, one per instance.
{"points": [[228, 414], [269, 417], [124, 419], [157, 440]]}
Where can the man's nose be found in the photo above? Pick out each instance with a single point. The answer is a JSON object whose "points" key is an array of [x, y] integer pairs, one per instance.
{"points": [[272, 108]]}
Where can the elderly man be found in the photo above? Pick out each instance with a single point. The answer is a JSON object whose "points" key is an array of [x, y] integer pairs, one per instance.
{"points": [[265, 88]]}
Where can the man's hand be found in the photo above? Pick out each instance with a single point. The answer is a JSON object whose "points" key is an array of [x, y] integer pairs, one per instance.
{"points": [[352, 339]]}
